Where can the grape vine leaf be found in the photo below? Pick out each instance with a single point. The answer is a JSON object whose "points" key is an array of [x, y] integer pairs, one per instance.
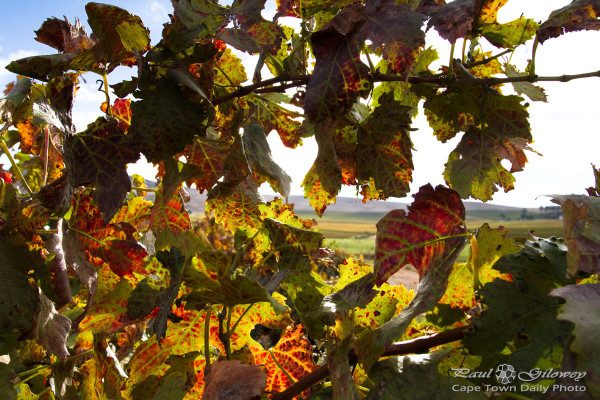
{"points": [[147, 295], [474, 167], [510, 34], [293, 354], [534, 93], [15, 104], [522, 311], [324, 179], [432, 230], [209, 155], [252, 33], [19, 301], [225, 289], [581, 309], [384, 148], [273, 116], [261, 162], [490, 245], [430, 238], [64, 36], [119, 34], [234, 380], [42, 67], [52, 328], [236, 206], [582, 232], [454, 20], [339, 76], [163, 121], [417, 377], [99, 155], [113, 243], [579, 15], [193, 22]]}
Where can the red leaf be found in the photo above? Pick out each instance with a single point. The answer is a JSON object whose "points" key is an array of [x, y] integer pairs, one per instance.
{"points": [[425, 236]]}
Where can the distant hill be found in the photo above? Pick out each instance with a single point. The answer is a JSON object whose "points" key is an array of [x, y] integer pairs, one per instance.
{"points": [[474, 209]]}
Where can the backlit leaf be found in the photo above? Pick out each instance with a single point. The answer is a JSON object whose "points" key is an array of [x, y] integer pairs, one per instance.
{"points": [[454, 20], [293, 354], [510, 34], [255, 34], [236, 206], [271, 115], [384, 148], [99, 156], [324, 179], [119, 34], [577, 16], [52, 328], [432, 229], [534, 93]]}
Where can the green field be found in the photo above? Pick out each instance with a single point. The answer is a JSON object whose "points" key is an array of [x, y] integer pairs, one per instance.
{"points": [[354, 233]]}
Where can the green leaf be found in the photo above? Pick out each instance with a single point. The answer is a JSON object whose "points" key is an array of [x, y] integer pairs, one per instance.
{"points": [[179, 378], [262, 164], [510, 34], [42, 67], [417, 377], [522, 312], [384, 148], [324, 179], [19, 301], [358, 293], [99, 156], [581, 309], [577, 16], [534, 93], [14, 104], [147, 296], [225, 289], [474, 167], [582, 232], [163, 121]]}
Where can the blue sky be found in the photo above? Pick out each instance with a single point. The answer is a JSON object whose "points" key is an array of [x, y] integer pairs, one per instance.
{"points": [[566, 130]]}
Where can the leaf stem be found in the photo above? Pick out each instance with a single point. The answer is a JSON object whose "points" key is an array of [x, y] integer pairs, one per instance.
{"points": [[18, 172], [533, 51], [105, 79], [281, 368], [451, 63], [233, 328], [476, 260], [45, 155]]}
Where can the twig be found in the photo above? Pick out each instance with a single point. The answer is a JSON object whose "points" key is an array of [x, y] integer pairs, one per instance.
{"points": [[244, 90], [487, 60], [419, 345]]}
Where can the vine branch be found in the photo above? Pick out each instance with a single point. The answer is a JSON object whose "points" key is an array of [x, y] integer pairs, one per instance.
{"points": [[440, 80], [418, 345]]}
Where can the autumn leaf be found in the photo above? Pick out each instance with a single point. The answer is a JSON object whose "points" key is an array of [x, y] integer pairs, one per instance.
{"points": [[324, 179], [119, 35], [339, 76], [209, 155], [431, 230], [99, 156], [272, 115], [384, 150], [534, 93], [291, 356], [64, 36], [577, 16]]}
